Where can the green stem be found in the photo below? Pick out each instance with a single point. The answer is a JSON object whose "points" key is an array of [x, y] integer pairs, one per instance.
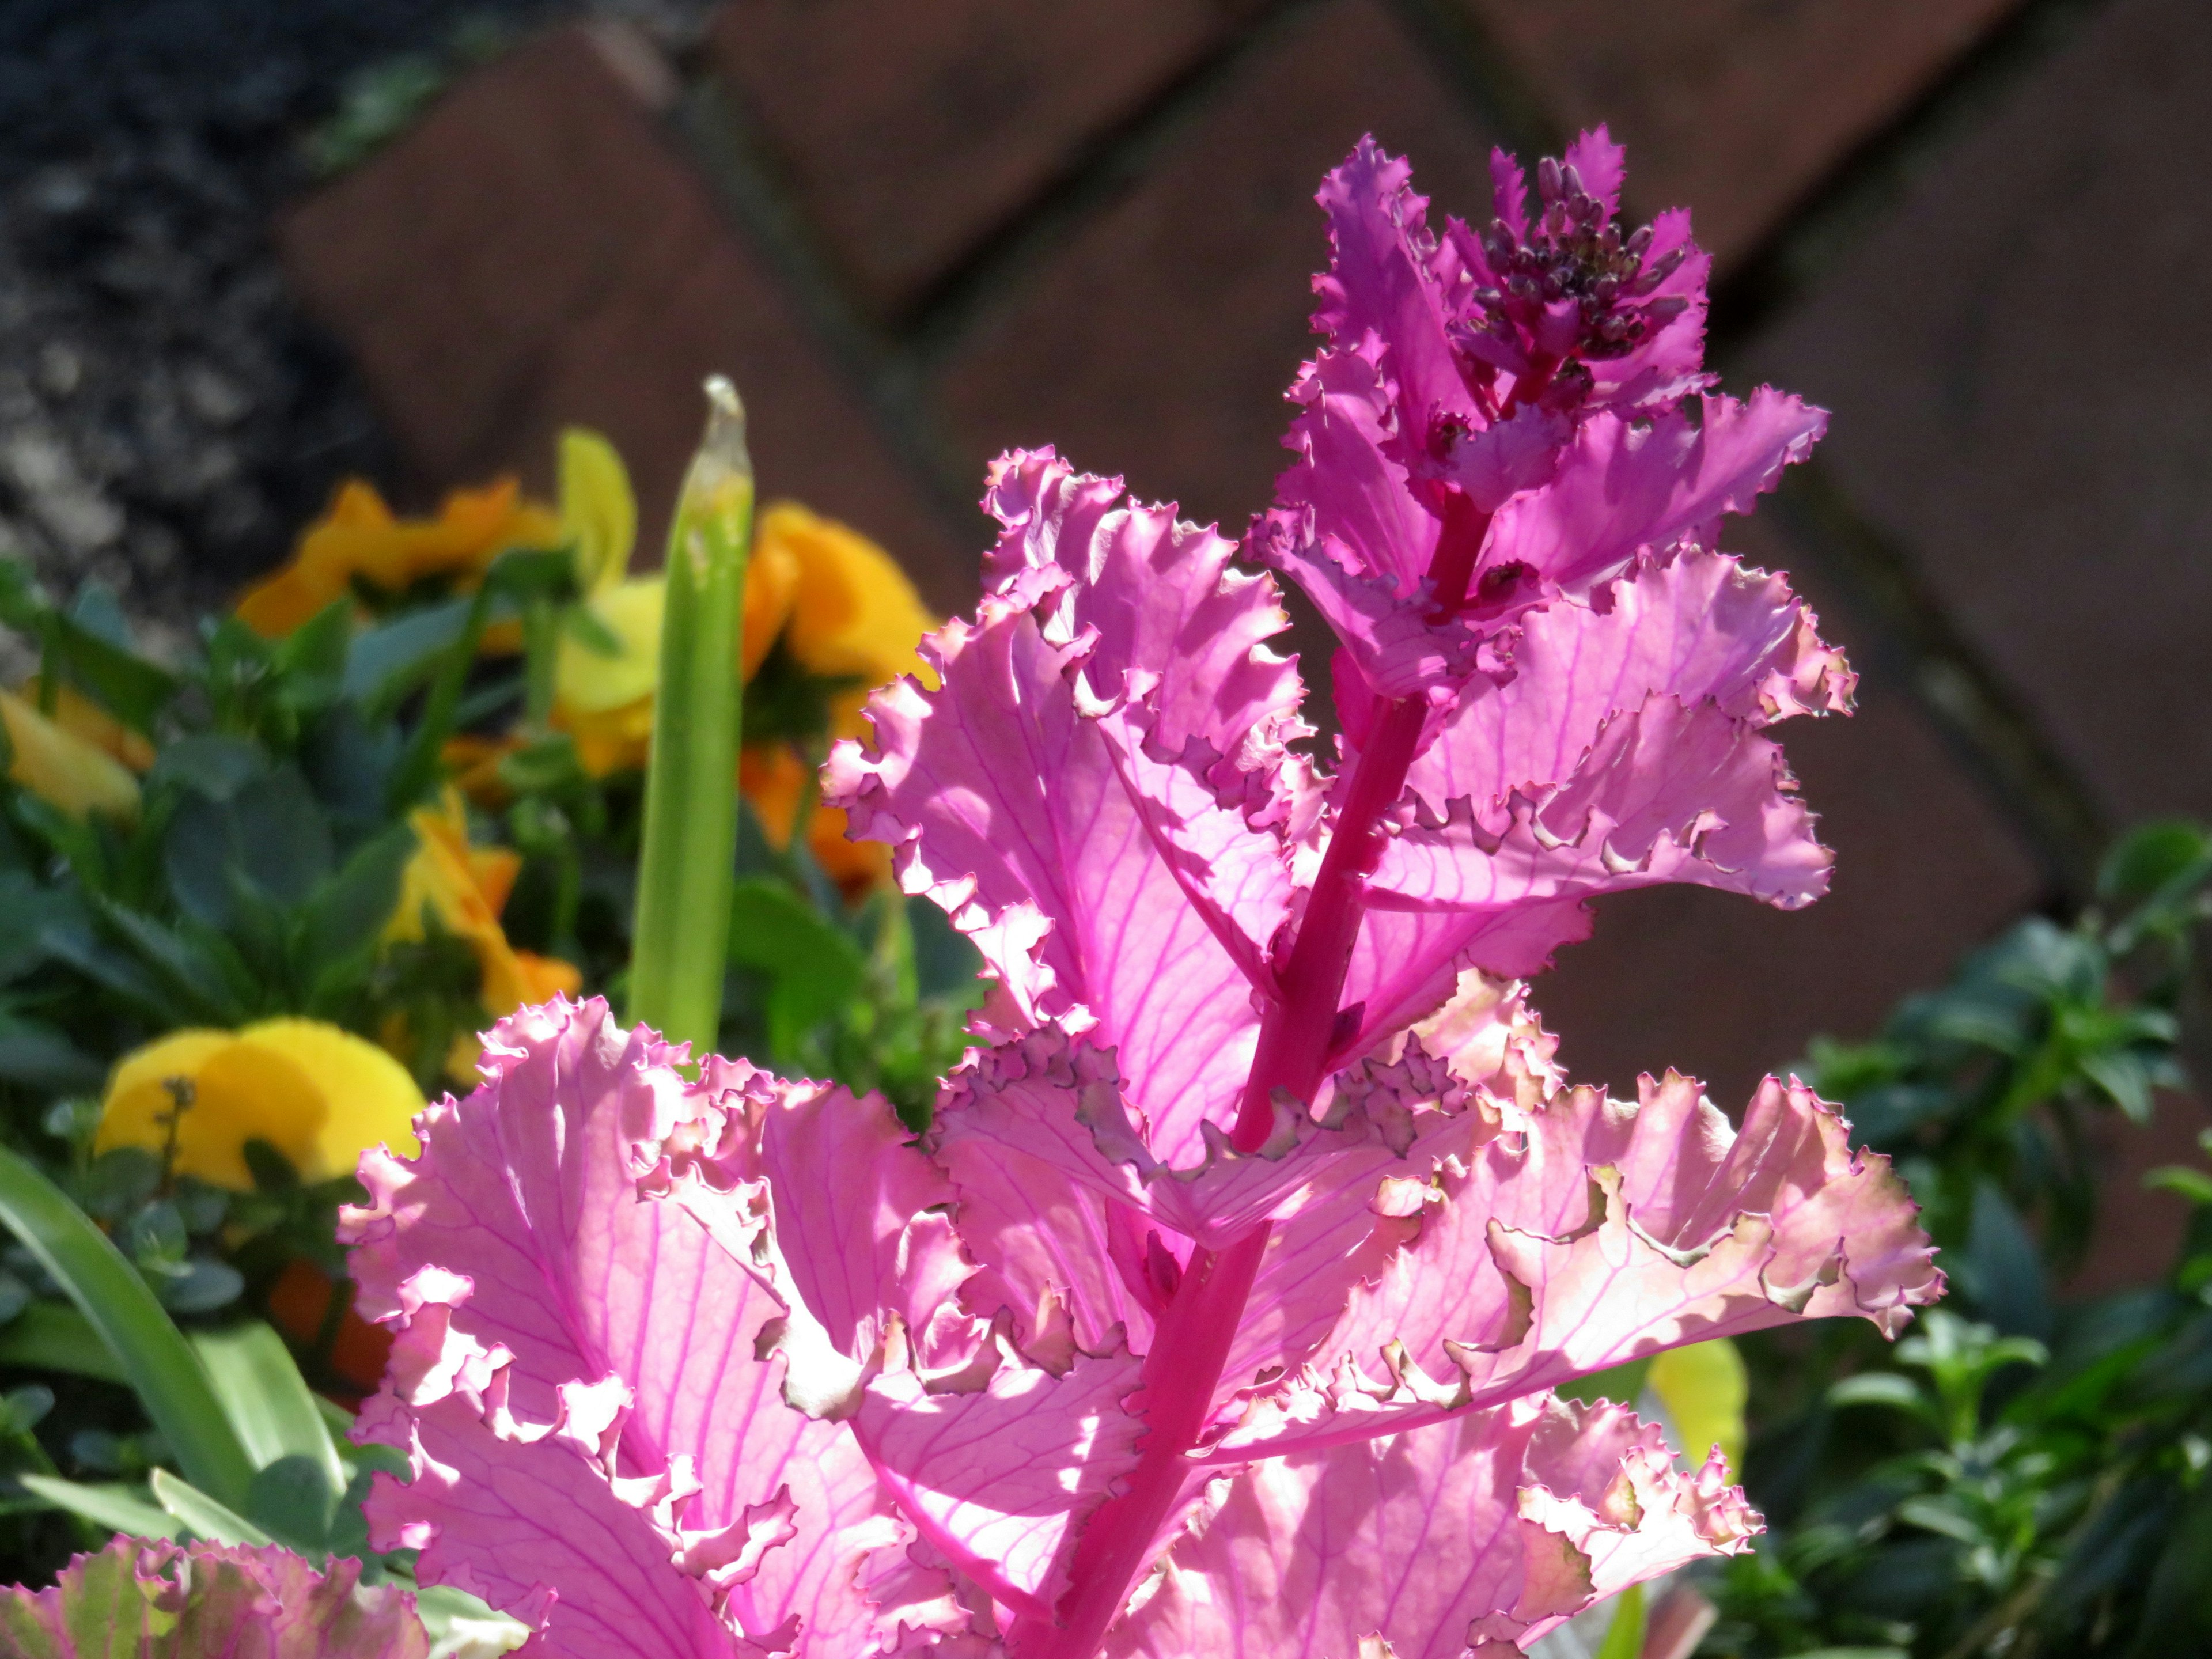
{"points": [[171, 1381], [541, 649], [681, 941]]}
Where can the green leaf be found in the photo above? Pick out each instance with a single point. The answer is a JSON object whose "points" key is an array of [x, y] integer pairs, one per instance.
{"points": [[946, 963], [2193, 1184], [460, 1624], [266, 1398], [348, 913], [312, 659], [28, 905], [73, 943], [111, 1504], [2178, 1609], [1620, 1384], [294, 1503], [2152, 857], [1881, 1388], [418, 771], [2124, 1079], [192, 981], [1624, 1636], [128, 686], [814, 968], [383, 662], [209, 763], [204, 1516], [42, 1059], [170, 1381]]}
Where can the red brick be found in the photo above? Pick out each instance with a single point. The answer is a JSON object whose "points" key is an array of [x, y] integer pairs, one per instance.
{"points": [[2023, 397], [1733, 107], [537, 252], [909, 130], [1159, 340]]}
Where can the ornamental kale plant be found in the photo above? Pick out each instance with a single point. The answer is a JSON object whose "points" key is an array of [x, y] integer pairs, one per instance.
{"points": [[1216, 1310]]}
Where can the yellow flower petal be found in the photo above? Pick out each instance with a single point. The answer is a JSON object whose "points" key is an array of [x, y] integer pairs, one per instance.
{"points": [[61, 767], [855, 612], [1704, 1388], [771, 587], [318, 1095], [774, 777], [358, 538], [599, 514], [239, 1092], [618, 740], [369, 1100], [441, 877], [129, 1110], [81, 717], [589, 682], [464, 888]]}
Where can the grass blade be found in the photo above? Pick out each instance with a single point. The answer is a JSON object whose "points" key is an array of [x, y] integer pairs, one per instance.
{"points": [[266, 1398], [118, 1507], [201, 1515], [171, 1383]]}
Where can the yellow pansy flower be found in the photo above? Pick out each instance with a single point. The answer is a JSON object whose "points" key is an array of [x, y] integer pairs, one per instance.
{"points": [[850, 611], [464, 888], [1704, 1388], [360, 537], [81, 717], [318, 1095], [61, 768]]}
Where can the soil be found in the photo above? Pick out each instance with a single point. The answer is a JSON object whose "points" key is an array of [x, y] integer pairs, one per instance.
{"points": [[168, 418]]}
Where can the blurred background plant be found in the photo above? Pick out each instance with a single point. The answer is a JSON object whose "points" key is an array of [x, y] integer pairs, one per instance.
{"points": [[255, 905], [2021, 1475]]}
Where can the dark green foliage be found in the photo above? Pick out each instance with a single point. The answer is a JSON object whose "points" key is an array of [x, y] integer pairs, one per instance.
{"points": [[2015, 1478]]}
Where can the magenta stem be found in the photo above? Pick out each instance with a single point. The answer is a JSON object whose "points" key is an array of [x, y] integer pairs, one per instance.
{"points": [[1191, 1343]]}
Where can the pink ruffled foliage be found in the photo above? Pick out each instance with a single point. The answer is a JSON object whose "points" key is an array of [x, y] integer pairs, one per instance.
{"points": [[162, 1601], [1216, 1311]]}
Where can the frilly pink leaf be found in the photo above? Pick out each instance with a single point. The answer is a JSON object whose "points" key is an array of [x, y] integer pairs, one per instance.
{"points": [[1177, 632], [1476, 1536], [163, 1600], [1214, 1312], [1594, 1231], [1626, 486], [1110, 889], [595, 1444], [994, 1447]]}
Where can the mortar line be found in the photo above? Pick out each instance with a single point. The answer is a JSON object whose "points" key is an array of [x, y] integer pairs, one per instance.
{"points": [[1867, 178], [1483, 74], [714, 132], [886, 360], [1096, 174]]}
